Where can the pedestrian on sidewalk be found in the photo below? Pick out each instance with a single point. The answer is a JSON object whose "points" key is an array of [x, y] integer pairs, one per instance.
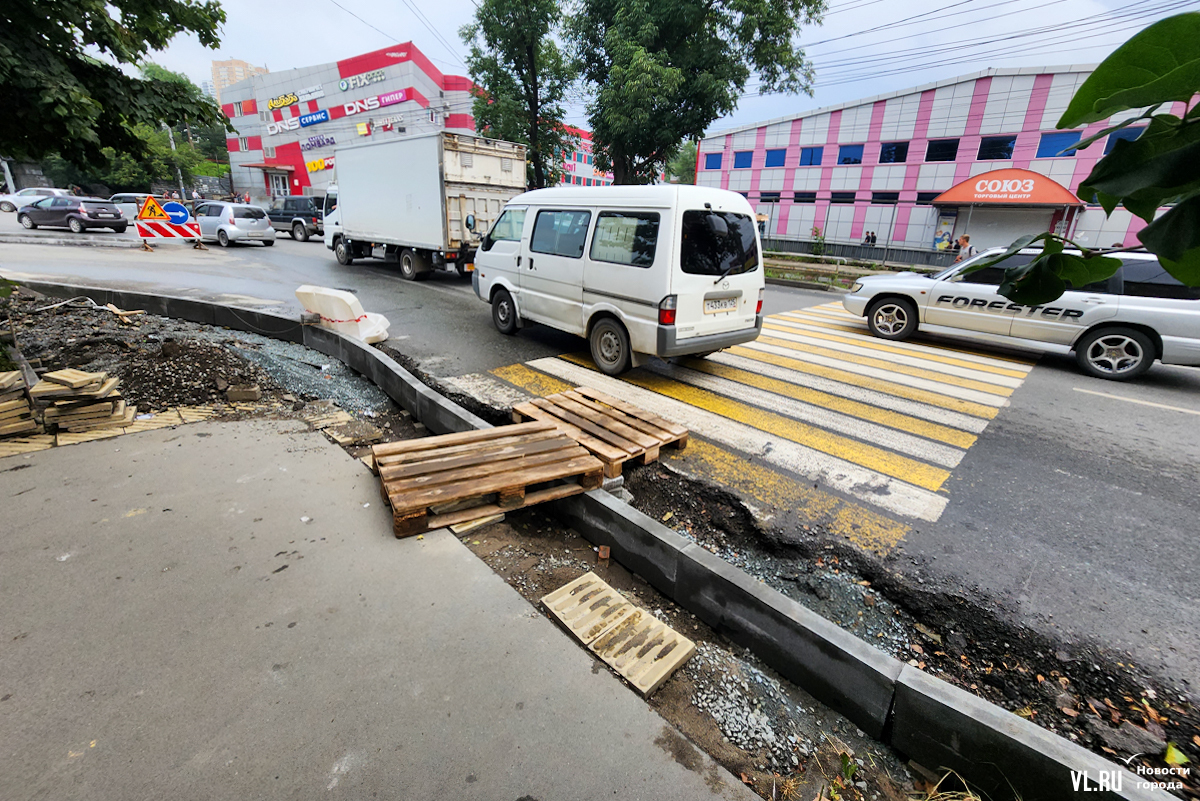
{"points": [[965, 250]]}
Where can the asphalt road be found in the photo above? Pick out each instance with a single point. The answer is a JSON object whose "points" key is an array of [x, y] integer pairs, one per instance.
{"points": [[1077, 504]]}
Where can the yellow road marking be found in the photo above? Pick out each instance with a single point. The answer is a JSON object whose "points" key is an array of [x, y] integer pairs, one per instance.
{"points": [[531, 380], [881, 461], [858, 325], [853, 408], [883, 364], [929, 353], [866, 382], [861, 526]]}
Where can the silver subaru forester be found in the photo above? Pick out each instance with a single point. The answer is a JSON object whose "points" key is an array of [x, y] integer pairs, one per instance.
{"points": [[1116, 328]]}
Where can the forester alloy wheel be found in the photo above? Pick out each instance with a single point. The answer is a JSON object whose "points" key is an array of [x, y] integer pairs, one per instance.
{"points": [[1115, 353], [892, 318]]}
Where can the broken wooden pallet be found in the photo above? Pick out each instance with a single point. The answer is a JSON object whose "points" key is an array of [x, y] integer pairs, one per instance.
{"points": [[638, 646], [74, 379], [615, 431], [439, 481]]}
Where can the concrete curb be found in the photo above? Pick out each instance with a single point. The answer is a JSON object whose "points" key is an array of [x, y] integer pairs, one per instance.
{"points": [[78, 242], [437, 413], [798, 284], [923, 717]]}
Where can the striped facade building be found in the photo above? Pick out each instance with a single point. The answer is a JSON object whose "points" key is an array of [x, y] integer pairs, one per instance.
{"points": [[887, 164]]}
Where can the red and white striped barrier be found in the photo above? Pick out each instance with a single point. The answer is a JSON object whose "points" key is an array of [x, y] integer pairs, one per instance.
{"points": [[155, 229]]}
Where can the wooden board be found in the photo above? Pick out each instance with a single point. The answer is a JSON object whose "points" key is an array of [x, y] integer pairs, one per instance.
{"points": [[19, 426], [49, 389], [10, 379], [75, 379], [19, 445], [121, 420], [636, 645], [439, 481], [614, 431]]}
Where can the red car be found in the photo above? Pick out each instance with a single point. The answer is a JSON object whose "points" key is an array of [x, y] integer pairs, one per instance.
{"points": [[76, 213]]}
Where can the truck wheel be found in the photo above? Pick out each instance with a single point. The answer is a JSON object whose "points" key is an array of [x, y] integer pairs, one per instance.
{"points": [[413, 266], [610, 347], [504, 313], [1117, 354], [892, 318], [299, 232], [342, 251]]}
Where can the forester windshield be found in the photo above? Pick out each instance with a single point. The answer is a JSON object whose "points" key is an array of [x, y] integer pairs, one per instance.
{"points": [[718, 243]]}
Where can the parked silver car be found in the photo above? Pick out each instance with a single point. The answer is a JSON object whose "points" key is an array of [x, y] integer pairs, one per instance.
{"points": [[233, 222], [1116, 328], [27, 197]]}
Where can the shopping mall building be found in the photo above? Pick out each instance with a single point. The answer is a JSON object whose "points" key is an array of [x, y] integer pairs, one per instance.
{"points": [[289, 123], [977, 154]]}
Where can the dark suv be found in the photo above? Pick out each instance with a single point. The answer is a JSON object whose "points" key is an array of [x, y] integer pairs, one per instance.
{"points": [[299, 215], [76, 213]]}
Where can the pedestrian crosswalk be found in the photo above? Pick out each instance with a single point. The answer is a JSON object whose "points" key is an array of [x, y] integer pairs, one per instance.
{"points": [[818, 398]]}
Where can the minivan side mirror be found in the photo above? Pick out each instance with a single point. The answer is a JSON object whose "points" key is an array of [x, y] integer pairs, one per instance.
{"points": [[471, 223]]}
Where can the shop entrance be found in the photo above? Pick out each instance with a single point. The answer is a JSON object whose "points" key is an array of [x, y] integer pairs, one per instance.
{"points": [[998, 207]]}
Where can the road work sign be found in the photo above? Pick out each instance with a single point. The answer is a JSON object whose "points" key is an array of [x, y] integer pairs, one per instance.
{"points": [[151, 210]]}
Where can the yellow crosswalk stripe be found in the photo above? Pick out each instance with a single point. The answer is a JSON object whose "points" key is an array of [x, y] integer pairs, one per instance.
{"points": [[881, 461], [883, 364], [899, 390], [533, 381], [929, 354], [863, 411]]}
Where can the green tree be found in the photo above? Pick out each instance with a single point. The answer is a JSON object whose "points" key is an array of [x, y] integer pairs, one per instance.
{"points": [[662, 72], [62, 86], [522, 78], [683, 166], [122, 172], [1158, 66]]}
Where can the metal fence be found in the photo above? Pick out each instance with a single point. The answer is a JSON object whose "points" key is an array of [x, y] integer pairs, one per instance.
{"points": [[858, 252]]}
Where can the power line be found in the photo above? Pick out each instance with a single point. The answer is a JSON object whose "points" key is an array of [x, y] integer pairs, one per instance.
{"points": [[420, 18]]}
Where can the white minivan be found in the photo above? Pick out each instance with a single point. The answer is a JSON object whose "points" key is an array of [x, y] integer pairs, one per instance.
{"points": [[637, 270]]}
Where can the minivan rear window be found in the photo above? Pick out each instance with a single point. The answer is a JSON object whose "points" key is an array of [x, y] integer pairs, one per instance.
{"points": [[718, 242], [248, 213], [626, 237]]}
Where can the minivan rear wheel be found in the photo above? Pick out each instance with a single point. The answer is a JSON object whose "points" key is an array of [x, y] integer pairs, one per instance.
{"points": [[1117, 354], [610, 347], [892, 318]]}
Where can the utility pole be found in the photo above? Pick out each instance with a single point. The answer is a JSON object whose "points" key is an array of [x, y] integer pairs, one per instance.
{"points": [[178, 172]]}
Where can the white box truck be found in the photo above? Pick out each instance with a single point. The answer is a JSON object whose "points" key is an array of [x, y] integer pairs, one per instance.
{"points": [[423, 201]]}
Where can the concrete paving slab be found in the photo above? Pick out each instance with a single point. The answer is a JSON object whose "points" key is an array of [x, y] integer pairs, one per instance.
{"points": [[174, 628]]}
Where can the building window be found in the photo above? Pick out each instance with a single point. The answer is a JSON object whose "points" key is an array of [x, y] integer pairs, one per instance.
{"points": [[243, 144], [806, 197], [893, 153], [850, 154], [237, 109], [1053, 144], [811, 156], [1126, 134], [880, 198], [841, 197], [775, 158], [712, 161], [926, 198], [992, 148], [589, 159], [942, 150], [770, 197], [578, 181], [268, 152], [743, 159]]}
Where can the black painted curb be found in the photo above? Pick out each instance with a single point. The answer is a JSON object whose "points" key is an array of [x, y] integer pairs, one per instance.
{"points": [[927, 719], [437, 413], [799, 284]]}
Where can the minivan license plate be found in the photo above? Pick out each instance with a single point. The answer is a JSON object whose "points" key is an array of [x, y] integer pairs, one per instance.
{"points": [[720, 305]]}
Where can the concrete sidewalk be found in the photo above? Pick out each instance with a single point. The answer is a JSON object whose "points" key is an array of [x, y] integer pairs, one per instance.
{"points": [[172, 628]]}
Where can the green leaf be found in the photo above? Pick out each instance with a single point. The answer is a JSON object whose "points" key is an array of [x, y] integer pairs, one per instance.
{"points": [[1174, 756], [1013, 249], [7, 287], [1038, 286], [1159, 65], [1175, 239], [1159, 166]]}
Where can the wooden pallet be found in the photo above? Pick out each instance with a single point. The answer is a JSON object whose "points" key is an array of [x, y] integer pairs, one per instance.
{"points": [[638, 646], [615, 431], [440, 481]]}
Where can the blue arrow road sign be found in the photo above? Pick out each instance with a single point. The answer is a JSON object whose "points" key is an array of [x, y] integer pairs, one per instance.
{"points": [[177, 211]]}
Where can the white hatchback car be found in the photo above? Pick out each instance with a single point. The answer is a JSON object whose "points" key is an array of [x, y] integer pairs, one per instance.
{"points": [[27, 197], [1116, 328], [233, 222]]}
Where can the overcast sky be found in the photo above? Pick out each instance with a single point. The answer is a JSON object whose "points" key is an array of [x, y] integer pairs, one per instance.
{"points": [[863, 47]]}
